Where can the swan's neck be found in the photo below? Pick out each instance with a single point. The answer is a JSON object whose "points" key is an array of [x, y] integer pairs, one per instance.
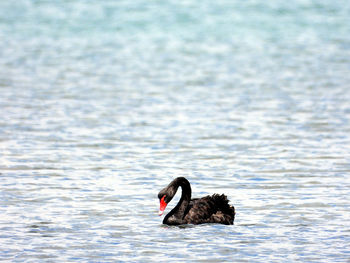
{"points": [[177, 214]]}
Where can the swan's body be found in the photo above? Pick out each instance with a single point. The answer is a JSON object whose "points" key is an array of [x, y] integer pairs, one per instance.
{"points": [[208, 209]]}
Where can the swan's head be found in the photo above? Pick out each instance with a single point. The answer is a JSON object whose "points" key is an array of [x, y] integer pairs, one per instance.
{"points": [[169, 192], [165, 197]]}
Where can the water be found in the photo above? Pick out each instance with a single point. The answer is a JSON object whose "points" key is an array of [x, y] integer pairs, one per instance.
{"points": [[103, 103]]}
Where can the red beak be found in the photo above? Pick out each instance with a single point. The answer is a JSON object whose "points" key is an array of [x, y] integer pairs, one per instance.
{"points": [[162, 206]]}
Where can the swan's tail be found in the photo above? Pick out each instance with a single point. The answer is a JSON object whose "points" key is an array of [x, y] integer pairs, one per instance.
{"points": [[222, 203]]}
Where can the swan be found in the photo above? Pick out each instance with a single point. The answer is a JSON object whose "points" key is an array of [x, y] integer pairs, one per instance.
{"points": [[208, 209]]}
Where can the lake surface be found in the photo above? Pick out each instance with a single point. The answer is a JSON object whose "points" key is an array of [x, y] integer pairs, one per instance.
{"points": [[103, 103]]}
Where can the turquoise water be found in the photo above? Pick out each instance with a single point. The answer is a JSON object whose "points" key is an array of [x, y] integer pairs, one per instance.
{"points": [[103, 103]]}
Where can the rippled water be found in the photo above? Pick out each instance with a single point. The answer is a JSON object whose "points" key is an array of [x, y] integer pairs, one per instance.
{"points": [[103, 103]]}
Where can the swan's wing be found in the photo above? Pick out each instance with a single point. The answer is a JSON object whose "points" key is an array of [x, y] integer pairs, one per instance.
{"points": [[200, 210], [210, 209]]}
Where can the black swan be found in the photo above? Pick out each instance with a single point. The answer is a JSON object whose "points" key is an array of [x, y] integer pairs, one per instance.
{"points": [[208, 209]]}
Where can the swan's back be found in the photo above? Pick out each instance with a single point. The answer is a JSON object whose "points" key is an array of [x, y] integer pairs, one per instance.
{"points": [[210, 209]]}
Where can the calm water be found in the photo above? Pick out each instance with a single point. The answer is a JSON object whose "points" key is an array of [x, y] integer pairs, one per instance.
{"points": [[103, 103]]}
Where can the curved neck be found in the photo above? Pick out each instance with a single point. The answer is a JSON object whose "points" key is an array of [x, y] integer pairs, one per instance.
{"points": [[177, 214]]}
